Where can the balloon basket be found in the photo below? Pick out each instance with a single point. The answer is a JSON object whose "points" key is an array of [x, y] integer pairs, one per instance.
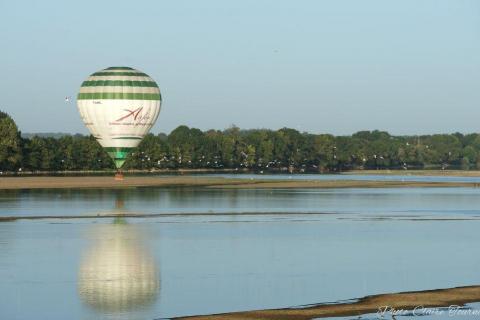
{"points": [[118, 176]]}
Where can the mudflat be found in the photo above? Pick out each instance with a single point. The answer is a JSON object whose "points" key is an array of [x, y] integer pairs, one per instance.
{"points": [[383, 303], [191, 181]]}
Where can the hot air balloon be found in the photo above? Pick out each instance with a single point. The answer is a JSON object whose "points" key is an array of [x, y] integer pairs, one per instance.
{"points": [[119, 105]]}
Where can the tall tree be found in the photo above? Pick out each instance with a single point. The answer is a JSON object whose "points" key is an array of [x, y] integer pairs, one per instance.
{"points": [[10, 143]]}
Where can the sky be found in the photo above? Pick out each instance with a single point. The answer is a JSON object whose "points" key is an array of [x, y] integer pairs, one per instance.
{"points": [[407, 67]]}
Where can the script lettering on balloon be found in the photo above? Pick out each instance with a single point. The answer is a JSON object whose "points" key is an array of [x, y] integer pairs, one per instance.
{"points": [[132, 117]]}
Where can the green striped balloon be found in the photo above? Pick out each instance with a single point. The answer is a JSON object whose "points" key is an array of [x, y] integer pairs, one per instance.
{"points": [[119, 105]]}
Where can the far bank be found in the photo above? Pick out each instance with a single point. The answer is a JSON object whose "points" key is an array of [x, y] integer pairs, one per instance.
{"points": [[65, 182]]}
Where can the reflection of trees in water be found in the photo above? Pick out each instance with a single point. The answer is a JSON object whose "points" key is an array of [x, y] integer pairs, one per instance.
{"points": [[188, 196], [57, 194], [151, 198], [117, 274], [9, 195], [141, 193]]}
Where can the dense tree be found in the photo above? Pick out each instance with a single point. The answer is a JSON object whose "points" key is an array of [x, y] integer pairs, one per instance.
{"points": [[259, 149], [10, 143]]}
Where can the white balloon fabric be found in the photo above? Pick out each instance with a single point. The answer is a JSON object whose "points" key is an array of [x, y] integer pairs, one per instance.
{"points": [[119, 106]]}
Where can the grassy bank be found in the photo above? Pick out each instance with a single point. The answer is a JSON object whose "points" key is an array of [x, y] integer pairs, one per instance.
{"points": [[240, 171], [199, 181]]}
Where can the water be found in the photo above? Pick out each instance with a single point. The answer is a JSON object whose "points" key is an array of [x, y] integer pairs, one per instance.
{"points": [[392, 201], [206, 251]]}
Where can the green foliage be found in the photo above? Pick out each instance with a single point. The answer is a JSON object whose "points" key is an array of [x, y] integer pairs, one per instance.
{"points": [[259, 149], [10, 143], [66, 153]]}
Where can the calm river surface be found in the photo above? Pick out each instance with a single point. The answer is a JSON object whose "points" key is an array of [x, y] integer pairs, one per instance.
{"points": [[218, 250]]}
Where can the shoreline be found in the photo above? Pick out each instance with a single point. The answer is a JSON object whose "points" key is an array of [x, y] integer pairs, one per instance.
{"points": [[419, 172], [242, 171], [400, 303], [18, 183]]}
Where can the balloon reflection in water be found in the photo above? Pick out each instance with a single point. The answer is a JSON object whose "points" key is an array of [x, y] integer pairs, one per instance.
{"points": [[118, 274]]}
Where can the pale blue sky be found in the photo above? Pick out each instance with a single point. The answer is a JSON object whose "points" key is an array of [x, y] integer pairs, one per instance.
{"points": [[409, 66]]}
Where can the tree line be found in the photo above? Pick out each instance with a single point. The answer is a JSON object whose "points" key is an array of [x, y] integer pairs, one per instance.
{"points": [[255, 150]]}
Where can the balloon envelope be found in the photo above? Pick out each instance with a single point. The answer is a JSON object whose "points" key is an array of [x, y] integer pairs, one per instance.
{"points": [[119, 105]]}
